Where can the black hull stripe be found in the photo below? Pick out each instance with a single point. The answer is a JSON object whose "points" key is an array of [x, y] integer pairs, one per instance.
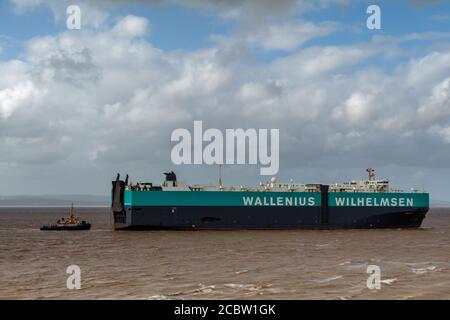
{"points": [[267, 218]]}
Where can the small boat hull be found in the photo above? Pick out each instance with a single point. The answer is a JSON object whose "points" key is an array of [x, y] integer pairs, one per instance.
{"points": [[79, 227]]}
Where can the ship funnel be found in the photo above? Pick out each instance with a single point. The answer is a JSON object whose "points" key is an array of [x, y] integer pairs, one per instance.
{"points": [[171, 177]]}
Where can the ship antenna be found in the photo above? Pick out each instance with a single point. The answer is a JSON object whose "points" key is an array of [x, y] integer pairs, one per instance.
{"points": [[219, 183]]}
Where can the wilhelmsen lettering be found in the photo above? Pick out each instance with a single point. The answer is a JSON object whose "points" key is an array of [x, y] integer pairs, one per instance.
{"points": [[374, 202], [279, 201]]}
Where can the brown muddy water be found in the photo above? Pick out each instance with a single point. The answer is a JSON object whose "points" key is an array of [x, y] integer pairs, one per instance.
{"points": [[415, 264]]}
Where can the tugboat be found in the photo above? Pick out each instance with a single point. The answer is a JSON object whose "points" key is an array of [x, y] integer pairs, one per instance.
{"points": [[70, 224]]}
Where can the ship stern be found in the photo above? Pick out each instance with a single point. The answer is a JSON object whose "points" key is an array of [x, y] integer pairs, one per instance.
{"points": [[118, 209]]}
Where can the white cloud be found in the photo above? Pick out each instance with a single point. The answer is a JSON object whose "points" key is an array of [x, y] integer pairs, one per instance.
{"points": [[357, 110], [22, 95], [437, 106], [289, 36], [135, 90], [427, 70], [445, 133], [13, 72], [132, 26], [315, 61], [104, 100]]}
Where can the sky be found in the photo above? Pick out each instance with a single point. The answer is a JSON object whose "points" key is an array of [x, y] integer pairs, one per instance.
{"points": [[78, 106]]}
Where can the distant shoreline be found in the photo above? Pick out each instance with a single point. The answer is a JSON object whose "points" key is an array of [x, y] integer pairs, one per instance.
{"points": [[108, 206]]}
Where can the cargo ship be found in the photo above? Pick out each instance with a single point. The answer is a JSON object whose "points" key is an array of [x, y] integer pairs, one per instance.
{"points": [[358, 204]]}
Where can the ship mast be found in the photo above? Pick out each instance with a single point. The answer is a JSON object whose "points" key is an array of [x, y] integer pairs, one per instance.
{"points": [[71, 210], [371, 173], [219, 182]]}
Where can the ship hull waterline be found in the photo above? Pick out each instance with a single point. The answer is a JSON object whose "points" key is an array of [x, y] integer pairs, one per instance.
{"points": [[81, 227]]}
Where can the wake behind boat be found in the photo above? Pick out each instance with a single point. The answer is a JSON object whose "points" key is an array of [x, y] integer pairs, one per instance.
{"points": [[72, 223]]}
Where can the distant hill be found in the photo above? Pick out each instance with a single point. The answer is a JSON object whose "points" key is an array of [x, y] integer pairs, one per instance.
{"points": [[55, 200], [440, 203]]}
